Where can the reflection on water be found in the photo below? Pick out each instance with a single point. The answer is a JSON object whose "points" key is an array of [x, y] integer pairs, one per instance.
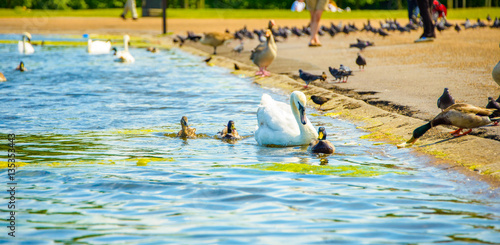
{"points": [[102, 165]]}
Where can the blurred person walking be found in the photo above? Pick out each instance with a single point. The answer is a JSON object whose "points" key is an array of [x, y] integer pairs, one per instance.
{"points": [[129, 6], [316, 8]]}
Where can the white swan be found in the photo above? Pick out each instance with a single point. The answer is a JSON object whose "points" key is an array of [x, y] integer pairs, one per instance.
{"points": [[284, 125], [98, 47], [24, 46], [124, 56]]}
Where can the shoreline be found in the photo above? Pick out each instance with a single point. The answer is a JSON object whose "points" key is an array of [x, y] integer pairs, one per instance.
{"points": [[384, 126], [387, 81]]}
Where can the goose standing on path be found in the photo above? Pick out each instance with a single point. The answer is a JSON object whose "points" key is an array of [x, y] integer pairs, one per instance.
{"points": [[264, 55], [98, 47], [124, 56], [459, 115], [25, 46], [280, 124], [215, 39]]}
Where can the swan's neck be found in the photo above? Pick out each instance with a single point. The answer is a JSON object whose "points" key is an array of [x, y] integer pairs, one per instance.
{"points": [[125, 43], [305, 130]]}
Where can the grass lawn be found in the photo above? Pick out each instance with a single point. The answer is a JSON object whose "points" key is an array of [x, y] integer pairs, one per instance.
{"points": [[471, 13]]}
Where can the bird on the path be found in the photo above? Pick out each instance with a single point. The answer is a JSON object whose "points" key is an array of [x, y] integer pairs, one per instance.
{"points": [[236, 66], [492, 104], [180, 39], [457, 28], [238, 49], [338, 75], [216, 39], [361, 62], [321, 144], [459, 115], [496, 73], [320, 100], [308, 77], [208, 59], [346, 72], [264, 55], [445, 100], [488, 18]]}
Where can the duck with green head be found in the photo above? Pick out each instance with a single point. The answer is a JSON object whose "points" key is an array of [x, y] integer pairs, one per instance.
{"points": [[186, 131], [321, 145], [229, 132], [459, 115], [21, 67]]}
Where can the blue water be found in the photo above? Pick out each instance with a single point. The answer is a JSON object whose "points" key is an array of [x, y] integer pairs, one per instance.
{"points": [[103, 167]]}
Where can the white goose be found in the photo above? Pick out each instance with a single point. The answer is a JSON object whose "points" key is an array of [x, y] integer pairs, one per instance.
{"points": [[124, 56], [284, 125], [98, 47], [25, 46]]}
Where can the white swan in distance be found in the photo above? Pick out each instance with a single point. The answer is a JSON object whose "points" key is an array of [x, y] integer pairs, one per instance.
{"points": [[25, 46], [280, 124], [98, 47], [125, 56]]}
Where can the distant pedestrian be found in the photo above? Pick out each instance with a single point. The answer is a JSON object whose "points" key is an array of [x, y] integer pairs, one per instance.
{"points": [[298, 6], [129, 6], [429, 33], [413, 11], [316, 8]]}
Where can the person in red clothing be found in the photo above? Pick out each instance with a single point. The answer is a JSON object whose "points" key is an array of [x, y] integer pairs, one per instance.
{"points": [[438, 10]]}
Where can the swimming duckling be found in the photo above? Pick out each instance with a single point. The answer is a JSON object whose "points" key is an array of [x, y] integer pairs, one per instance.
{"points": [[321, 145], [229, 132], [186, 131], [152, 49], [2, 78], [459, 115], [21, 67]]}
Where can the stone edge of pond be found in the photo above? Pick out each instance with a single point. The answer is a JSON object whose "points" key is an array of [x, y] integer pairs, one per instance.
{"points": [[448, 152]]}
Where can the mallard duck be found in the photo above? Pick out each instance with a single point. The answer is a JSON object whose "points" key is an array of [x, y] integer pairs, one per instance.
{"points": [[24, 46], [229, 132], [321, 145], [284, 125], [2, 78], [124, 56], [21, 67], [264, 55], [186, 131], [215, 39], [445, 100], [459, 115], [98, 47]]}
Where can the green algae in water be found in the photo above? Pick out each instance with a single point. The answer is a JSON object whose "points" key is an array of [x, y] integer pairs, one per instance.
{"points": [[337, 170]]}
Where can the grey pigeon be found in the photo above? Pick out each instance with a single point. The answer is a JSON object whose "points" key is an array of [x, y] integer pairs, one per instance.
{"points": [[492, 104], [361, 62], [335, 73], [308, 77], [445, 100]]}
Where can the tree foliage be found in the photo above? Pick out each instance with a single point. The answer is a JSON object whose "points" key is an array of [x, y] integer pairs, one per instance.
{"points": [[233, 4]]}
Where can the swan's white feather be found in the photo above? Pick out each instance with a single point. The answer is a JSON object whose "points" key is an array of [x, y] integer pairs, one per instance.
{"points": [[277, 125], [98, 47]]}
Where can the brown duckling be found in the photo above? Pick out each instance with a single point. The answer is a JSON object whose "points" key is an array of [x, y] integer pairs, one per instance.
{"points": [[2, 78], [215, 39], [229, 132], [186, 131], [321, 145]]}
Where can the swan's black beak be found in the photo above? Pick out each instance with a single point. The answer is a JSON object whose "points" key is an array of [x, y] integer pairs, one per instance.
{"points": [[302, 112]]}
